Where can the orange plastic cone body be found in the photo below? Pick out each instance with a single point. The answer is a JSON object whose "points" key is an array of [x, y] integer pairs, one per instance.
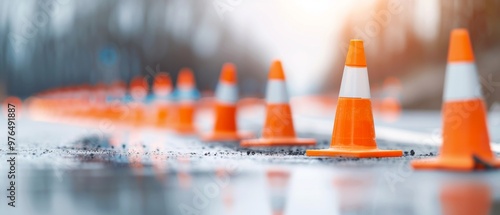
{"points": [[354, 130], [279, 122], [359, 133], [185, 108], [466, 142], [278, 127], [185, 119], [225, 126], [162, 111], [138, 90], [162, 88], [172, 116]]}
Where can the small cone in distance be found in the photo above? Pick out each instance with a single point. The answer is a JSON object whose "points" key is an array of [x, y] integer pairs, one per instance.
{"points": [[225, 125], [278, 127], [115, 107], [466, 142], [162, 88], [354, 130], [138, 90], [98, 99], [186, 93]]}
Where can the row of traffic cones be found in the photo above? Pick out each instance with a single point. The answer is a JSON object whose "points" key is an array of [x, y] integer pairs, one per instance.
{"points": [[466, 143]]}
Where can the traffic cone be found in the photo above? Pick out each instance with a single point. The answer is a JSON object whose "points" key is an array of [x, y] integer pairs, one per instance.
{"points": [[354, 131], [138, 91], [187, 96], [278, 127], [98, 101], [225, 126], [162, 88], [466, 143], [114, 104]]}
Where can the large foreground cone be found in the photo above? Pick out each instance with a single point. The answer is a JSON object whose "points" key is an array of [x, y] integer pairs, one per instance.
{"points": [[354, 131], [466, 143], [162, 89], [225, 127], [278, 127], [186, 96]]}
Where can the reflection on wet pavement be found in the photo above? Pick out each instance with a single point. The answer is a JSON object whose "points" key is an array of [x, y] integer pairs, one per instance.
{"points": [[79, 171]]}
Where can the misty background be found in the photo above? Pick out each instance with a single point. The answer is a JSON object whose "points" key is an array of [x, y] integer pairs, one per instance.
{"points": [[52, 43]]}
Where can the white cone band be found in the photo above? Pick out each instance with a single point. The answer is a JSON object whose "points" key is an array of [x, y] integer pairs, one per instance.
{"points": [[187, 95], [162, 92], [276, 92], [461, 82], [226, 93], [355, 83]]}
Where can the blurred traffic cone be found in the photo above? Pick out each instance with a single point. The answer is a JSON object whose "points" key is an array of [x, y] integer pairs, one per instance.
{"points": [[114, 103], [162, 88], [466, 143], [186, 95], [353, 131], [98, 101], [138, 90], [278, 127], [225, 127]]}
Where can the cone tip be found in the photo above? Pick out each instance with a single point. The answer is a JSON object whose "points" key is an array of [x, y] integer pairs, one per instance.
{"points": [[276, 72], [185, 77], [460, 49], [356, 54], [138, 81], [162, 79], [228, 73]]}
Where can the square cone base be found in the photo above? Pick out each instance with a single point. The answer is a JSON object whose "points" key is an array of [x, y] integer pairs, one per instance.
{"points": [[460, 164], [354, 153], [226, 136], [276, 142]]}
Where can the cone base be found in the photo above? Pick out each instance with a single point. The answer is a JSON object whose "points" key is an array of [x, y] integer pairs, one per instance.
{"points": [[453, 164], [354, 153], [274, 142], [185, 129], [226, 136]]}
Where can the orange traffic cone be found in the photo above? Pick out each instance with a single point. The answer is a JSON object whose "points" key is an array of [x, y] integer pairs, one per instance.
{"points": [[138, 90], [186, 95], [354, 131], [162, 88], [466, 143], [114, 105], [225, 127], [278, 127]]}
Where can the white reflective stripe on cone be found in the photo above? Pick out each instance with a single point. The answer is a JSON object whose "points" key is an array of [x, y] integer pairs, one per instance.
{"points": [[226, 93], [276, 92], [162, 92], [355, 83], [461, 82], [187, 95]]}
